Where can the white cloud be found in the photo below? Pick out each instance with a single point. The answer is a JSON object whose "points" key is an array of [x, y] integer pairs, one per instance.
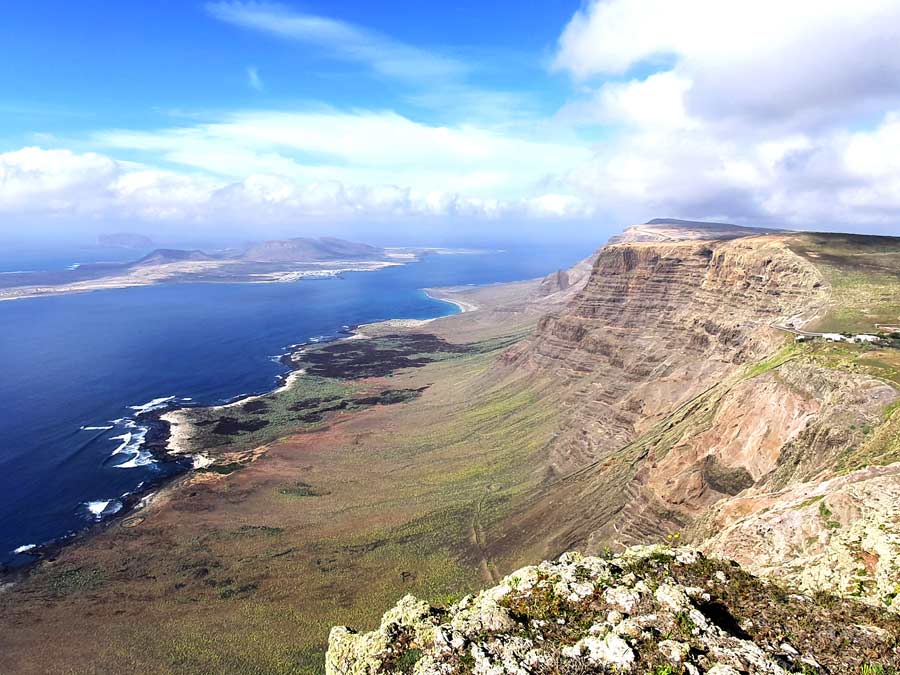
{"points": [[70, 186], [657, 101], [766, 112], [385, 56], [804, 61], [359, 148], [833, 180]]}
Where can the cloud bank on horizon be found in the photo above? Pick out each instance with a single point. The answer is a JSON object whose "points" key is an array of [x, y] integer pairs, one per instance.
{"points": [[769, 113]]}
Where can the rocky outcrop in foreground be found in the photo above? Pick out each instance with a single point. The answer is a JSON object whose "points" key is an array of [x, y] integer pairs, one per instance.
{"points": [[648, 610]]}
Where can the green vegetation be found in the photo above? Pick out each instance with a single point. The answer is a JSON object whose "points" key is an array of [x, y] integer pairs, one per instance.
{"points": [[864, 275], [324, 391], [243, 426], [77, 579], [826, 515], [789, 351], [255, 584], [877, 669], [299, 490]]}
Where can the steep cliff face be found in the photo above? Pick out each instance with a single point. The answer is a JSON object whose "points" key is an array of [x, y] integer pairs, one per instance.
{"points": [[658, 323], [688, 415]]}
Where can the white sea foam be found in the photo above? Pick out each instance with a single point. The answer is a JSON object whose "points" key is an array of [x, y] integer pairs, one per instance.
{"points": [[25, 548], [141, 458], [132, 443], [106, 428], [103, 507], [152, 405], [125, 438], [201, 461]]}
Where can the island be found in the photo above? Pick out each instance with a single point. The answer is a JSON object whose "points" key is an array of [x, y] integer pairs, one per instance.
{"points": [[265, 262]]}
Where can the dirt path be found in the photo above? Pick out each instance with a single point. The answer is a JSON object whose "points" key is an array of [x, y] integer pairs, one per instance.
{"points": [[476, 536]]}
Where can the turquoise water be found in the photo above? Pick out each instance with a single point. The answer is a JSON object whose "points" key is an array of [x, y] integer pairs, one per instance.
{"points": [[75, 371]]}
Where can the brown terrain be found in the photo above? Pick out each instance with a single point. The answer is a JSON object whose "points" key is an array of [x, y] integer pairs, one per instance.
{"points": [[643, 396]]}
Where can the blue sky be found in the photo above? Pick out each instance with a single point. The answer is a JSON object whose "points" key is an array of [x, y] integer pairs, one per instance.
{"points": [[80, 66], [564, 118]]}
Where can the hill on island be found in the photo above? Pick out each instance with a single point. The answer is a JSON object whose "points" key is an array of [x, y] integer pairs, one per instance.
{"points": [[296, 250], [306, 249], [164, 256]]}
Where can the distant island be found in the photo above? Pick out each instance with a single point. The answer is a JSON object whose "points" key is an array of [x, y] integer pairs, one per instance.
{"points": [[265, 262]]}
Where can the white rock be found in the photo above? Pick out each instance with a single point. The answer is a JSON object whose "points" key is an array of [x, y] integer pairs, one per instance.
{"points": [[624, 599], [580, 590], [721, 669], [673, 651], [672, 597], [687, 556], [610, 650], [629, 628], [523, 579]]}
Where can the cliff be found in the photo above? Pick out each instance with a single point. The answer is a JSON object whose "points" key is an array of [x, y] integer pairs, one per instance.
{"points": [[656, 325], [687, 413]]}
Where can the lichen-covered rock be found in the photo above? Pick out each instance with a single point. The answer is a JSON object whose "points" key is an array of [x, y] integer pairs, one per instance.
{"points": [[411, 621], [650, 609], [610, 650]]}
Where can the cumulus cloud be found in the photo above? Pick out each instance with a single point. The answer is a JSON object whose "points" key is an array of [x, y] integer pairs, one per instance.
{"points": [[61, 183], [760, 112], [771, 61], [360, 147], [769, 113]]}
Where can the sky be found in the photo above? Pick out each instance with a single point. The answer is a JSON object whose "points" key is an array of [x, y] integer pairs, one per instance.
{"points": [[399, 120]]}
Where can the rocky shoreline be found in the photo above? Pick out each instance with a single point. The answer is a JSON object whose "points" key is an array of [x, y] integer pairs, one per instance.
{"points": [[161, 443]]}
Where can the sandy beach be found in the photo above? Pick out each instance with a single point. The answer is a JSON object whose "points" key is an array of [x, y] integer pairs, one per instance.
{"points": [[446, 296]]}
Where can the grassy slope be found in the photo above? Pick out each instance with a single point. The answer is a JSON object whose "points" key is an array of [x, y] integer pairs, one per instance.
{"points": [[864, 275], [246, 572]]}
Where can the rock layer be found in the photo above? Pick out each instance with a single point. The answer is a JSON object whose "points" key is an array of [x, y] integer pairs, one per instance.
{"points": [[657, 324]]}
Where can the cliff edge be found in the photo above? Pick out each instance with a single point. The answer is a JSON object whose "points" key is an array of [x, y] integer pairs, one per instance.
{"points": [[648, 610]]}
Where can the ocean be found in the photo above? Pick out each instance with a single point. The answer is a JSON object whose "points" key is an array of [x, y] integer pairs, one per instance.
{"points": [[75, 370]]}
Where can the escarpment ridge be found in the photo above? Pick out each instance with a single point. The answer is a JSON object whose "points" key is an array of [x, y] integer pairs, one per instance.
{"points": [[657, 324], [684, 400]]}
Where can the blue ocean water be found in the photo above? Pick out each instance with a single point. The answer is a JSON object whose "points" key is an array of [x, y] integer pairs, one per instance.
{"points": [[76, 369]]}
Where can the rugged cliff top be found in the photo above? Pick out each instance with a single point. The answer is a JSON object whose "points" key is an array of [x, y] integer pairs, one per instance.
{"points": [[649, 610], [673, 229]]}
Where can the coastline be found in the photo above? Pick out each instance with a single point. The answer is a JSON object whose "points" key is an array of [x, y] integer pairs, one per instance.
{"points": [[444, 295], [169, 434], [200, 271]]}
